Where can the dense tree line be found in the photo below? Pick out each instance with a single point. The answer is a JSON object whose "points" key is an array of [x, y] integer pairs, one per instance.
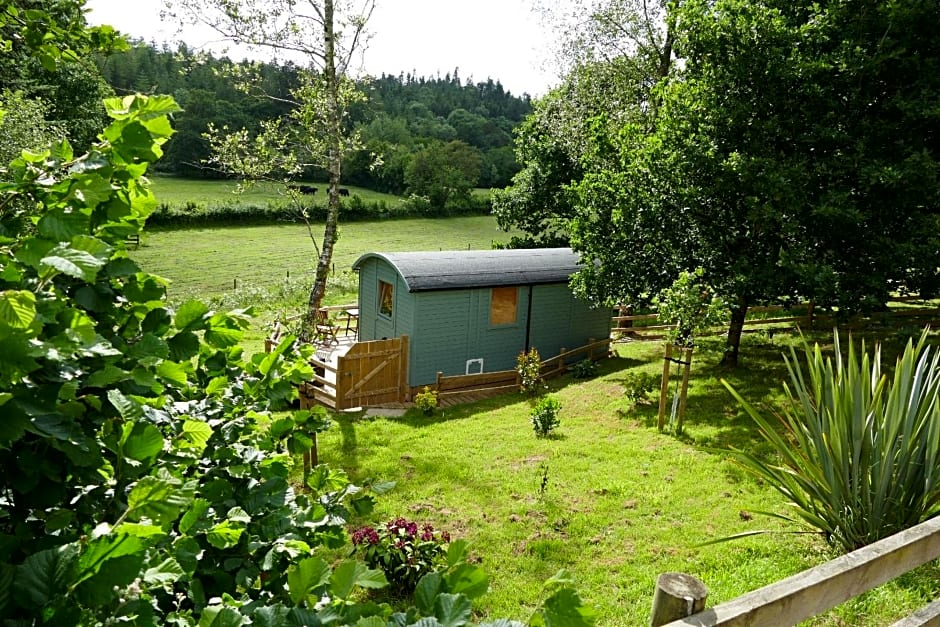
{"points": [[406, 122], [793, 153]]}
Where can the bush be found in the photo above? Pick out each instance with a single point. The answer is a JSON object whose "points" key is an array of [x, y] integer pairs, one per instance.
{"points": [[545, 416], [426, 401], [584, 369], [529, 368], [637, 385], [858, 456], [401, 552]]}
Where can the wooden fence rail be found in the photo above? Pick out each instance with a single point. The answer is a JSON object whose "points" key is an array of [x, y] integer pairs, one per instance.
{"points": [[625, 325], [814, 591], [505, 380]]}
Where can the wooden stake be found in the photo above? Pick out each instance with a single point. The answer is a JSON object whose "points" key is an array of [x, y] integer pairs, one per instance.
{"points": [[677, 596], [685, 388], [664, 388]]}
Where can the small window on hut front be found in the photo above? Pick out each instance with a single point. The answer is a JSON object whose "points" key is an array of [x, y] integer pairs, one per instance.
{"points": [[385, 299], [503, 305]]}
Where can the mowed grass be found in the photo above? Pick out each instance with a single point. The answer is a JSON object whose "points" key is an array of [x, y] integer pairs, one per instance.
{"points": [[609, 497], [206, 262], [180, 192]]}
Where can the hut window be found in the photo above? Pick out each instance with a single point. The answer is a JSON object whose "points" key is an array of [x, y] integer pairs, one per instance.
{"points": [[503, 305], [385, 299]]}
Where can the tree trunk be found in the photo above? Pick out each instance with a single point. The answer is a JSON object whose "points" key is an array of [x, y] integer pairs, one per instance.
{"points": [[738, 313], [334, 166]]}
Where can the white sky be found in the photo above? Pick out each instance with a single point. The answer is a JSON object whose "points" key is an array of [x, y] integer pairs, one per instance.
{"points": [[498, 39]]}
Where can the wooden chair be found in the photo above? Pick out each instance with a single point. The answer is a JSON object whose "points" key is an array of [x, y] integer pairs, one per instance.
{"points": [[325, 332]]}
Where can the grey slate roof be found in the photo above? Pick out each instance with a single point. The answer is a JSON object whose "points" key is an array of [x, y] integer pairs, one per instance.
{"points": [[457, 269]]}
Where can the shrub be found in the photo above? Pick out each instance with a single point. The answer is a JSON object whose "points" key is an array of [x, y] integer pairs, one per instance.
{"points": [[545, 416], [859, 452], [402, 550], [426, 401], [584, 369], [637, 385], [529, 368]]}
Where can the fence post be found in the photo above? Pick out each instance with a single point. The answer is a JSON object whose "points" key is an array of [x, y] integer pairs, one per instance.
{"points": [[561, 360], [437, 384], [677, 596]]}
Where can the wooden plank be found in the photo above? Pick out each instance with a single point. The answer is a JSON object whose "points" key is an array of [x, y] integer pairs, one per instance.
{"points": [[927, 616], [818, 589]]}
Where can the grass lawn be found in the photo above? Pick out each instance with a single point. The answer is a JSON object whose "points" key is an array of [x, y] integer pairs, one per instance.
{"points": [[609, 497], [210, 261], [178, 191]]}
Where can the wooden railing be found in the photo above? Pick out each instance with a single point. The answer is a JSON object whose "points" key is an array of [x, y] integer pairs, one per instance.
{"points": [[779, 318], [814, 591], [505, 380]]}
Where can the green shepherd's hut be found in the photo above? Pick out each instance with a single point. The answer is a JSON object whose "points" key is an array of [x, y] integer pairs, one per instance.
{"points": [[473, 311]]}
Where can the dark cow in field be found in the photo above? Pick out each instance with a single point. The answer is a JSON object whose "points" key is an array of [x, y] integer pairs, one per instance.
{"points": [[303, 189], [343, 191]]}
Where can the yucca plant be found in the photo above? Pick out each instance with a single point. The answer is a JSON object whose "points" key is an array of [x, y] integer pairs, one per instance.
{"points": [[857, 456]]}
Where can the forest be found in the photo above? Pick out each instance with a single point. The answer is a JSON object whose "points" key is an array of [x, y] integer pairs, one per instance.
{"points": [[407, 122]]}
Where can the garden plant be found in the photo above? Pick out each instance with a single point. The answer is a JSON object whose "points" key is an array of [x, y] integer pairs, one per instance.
{"points": [[857, 456]]}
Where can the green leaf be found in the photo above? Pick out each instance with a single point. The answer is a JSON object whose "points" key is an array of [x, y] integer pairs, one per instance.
{"points": [[190, 315], [108, 375], [104, 549], [457, 552], [429, 586], [158, 498], [127, 407], [6, 588], [193, 515], [371, 621], [173, 372], [565, 609], [61, 225], [141, 441], [225, 534], [306, 577], [561, 579], [17, 308], [44, 576], [452, 610], [469, 580], [195, 434], [164, 574], [222, 337], [72, 262], [350, 574]]}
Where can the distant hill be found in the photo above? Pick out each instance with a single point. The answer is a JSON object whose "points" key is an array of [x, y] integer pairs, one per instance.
{"points": [[405, 115]]}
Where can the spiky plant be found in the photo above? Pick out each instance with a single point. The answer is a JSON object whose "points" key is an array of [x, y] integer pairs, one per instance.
{"points": [[857, 455]]}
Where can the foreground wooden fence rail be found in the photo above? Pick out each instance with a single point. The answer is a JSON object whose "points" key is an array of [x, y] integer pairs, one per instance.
{"points": [[814, 591]]}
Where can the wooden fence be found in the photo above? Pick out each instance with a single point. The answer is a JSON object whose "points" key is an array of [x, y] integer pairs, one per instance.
{"points": [[451, 388], [779, 318], [814, 591]]}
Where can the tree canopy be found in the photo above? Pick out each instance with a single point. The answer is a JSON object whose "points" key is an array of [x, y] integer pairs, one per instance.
{"points": [[791, 154]]}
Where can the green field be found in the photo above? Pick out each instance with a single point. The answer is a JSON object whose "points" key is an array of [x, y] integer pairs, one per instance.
{"points": [[211, 261], [178, 192]]}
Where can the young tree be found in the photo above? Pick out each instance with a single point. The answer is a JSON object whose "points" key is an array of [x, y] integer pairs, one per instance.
{"points": [[325, 36]]}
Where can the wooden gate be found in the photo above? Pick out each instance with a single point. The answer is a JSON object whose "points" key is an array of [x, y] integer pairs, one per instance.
{"points": [[373, 373]]}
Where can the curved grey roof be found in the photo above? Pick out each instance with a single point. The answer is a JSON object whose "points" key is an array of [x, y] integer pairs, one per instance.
{"points": [[456, 269]]}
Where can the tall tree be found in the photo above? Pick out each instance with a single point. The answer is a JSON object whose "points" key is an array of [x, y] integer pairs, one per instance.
{"points": [[795, 155], [613, 59], [315, 131]]}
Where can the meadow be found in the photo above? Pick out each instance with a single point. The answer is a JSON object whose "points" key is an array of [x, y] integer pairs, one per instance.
{"points": [[608, 497]]}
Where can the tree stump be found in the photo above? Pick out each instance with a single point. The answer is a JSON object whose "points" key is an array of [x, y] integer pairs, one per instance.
{"points": [[677, 596]]}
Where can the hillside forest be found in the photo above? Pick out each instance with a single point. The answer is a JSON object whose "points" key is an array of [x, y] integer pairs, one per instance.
{"points": [[407, 122]]}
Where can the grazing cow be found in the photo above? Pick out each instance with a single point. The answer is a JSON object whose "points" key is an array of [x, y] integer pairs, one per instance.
{"points": [[306, 189], [343, 191]]}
